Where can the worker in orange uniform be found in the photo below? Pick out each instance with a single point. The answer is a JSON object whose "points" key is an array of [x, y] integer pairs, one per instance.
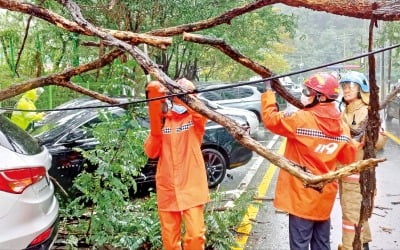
{"points": [[317, 139], [355, 87], [181, 181]]}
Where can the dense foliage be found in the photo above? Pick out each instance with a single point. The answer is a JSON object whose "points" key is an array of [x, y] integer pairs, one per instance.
{"points": [[48, 49], [107, 210]]}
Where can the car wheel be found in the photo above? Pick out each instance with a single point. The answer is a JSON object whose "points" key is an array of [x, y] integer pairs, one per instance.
{"points": [[215, 165], [387, 116]]}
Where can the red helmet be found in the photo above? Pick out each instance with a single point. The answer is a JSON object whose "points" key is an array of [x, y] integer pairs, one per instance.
{"points": [[324, 83]]}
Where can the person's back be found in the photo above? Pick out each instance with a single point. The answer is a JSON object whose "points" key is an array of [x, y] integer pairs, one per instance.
{"points": [[317, 139]]}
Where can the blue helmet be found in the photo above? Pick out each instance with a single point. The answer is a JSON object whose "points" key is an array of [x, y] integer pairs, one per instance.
{"points": [[356, 77]]}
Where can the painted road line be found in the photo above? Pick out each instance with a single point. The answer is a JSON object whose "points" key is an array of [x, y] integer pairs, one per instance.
{"points": [[393, 137], [245, 226], [252, 171], [244, 183]]}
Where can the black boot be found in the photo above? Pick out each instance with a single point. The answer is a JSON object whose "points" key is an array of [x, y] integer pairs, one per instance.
{"points": [[365, 246]]}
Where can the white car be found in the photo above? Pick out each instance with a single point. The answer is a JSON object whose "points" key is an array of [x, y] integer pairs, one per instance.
{"points": [[248, 116], [242, 97], [29, 209]]}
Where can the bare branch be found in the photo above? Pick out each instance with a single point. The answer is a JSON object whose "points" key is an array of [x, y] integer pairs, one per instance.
{"points": [[82, 90], [388, 10], [245, 61], [215, 21], [59, 21], [28, 24], [384, 10], [390, 97], [61, 79], [141, 57]]}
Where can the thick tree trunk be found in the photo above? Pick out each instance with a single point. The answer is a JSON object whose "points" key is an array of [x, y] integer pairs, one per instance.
{"points": [[367, 177]]}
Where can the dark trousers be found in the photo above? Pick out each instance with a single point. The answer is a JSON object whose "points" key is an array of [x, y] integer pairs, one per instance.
{"points": [[307, 234]]}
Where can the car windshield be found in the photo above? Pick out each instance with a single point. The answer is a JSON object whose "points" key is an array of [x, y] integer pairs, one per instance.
{"points": [[52, 128], [16, 139], [74, 103], [55, 115]]}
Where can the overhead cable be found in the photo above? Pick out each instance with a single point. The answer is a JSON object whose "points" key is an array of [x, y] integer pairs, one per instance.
{"points": [[226, 85]]}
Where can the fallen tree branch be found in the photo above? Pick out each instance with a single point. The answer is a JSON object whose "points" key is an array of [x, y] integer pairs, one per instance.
{"points": [[233, 127], [390, 97], [384, 11], [61, 22], [245, 61], [62, 79], [224, 18]]}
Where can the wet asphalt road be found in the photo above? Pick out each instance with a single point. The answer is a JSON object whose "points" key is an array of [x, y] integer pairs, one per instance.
{"points": [[268, 228]]}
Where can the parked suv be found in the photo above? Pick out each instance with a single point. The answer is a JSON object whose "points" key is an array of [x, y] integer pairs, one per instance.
{"points": [[242, 97], [29, 209]]}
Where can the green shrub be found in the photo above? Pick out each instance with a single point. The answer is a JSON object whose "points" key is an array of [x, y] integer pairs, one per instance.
{"points": [[106, 215]]}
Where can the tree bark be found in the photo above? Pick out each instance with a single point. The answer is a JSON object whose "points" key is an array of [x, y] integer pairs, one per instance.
{"points": [[233, 128], [383, 10], [63, 79], [59, 21], [124, 40], [367, 177], [245, 61]]}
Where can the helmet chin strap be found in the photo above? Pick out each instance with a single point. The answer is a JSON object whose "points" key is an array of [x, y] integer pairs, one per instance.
{"points": [[317, 99], [313, 103]]}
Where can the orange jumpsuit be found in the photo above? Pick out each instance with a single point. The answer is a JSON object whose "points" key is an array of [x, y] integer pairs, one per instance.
{"points": [[317, 139], [181, 180]]}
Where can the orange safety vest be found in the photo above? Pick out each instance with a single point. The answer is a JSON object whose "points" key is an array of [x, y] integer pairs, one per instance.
{"points": [[181, 179], [317, 139]]}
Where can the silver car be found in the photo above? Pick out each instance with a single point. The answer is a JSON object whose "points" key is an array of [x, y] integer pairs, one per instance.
{"points": [[246, 115], [29, 209], [242, 97]]}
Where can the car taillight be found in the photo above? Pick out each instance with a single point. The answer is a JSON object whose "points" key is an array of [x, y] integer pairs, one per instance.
{"points": [[17, 180], [42, 237]]}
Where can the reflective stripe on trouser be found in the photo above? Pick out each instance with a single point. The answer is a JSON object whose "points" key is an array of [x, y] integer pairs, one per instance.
{"points": [[195, 228], [350, 200]]}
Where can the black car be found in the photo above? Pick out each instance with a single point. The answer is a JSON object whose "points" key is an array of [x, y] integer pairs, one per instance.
{"points": [[63, 131]]}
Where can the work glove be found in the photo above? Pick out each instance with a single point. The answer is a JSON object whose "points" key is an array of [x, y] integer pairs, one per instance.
{"points": [[155, 89], [187, 87], [267, 85]]}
